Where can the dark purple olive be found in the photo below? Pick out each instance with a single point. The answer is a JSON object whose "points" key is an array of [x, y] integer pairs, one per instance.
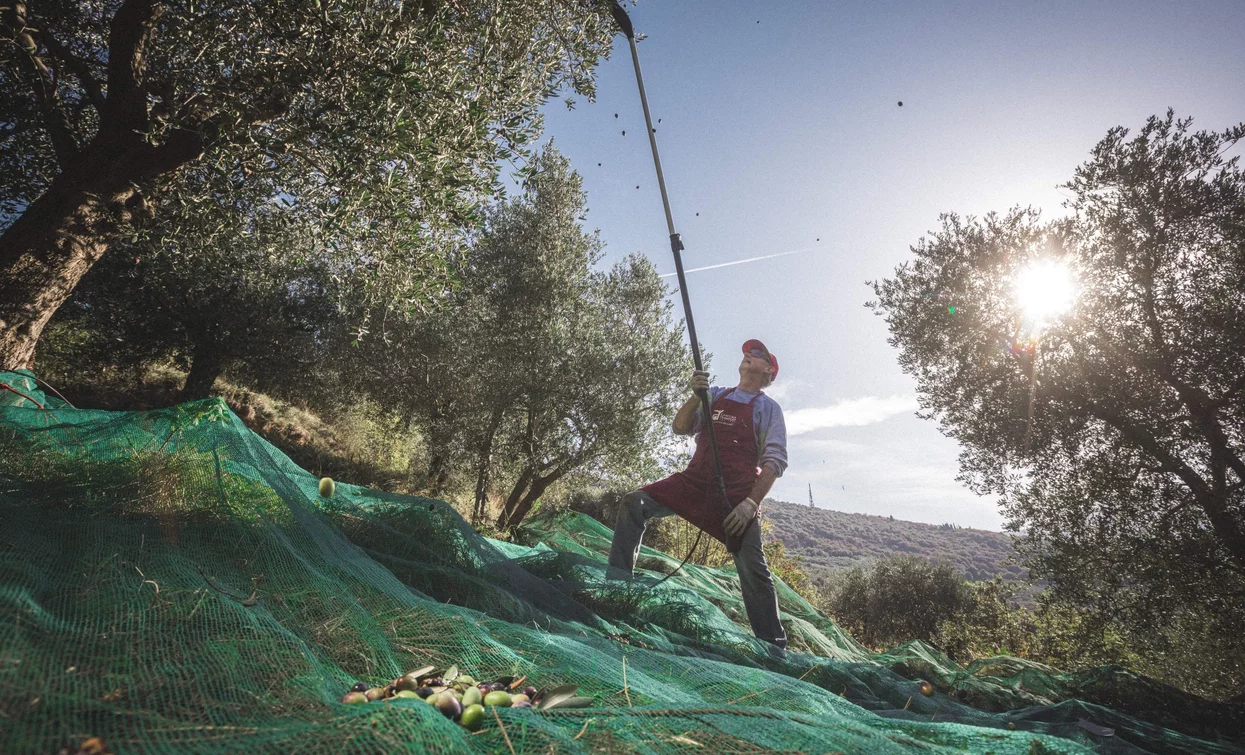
{"points": [[497, 687], [530, 691], [360, 687], [434, 682], [449, 706], [424, 692]]}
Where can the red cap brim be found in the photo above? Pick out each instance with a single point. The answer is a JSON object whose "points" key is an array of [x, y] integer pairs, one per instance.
{"points": [[753, 343]]}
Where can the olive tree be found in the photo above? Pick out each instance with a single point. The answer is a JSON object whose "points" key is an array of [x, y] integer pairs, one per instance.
{"points": [[539, 365], [352, 110], [1115, 432], [256, 299]]}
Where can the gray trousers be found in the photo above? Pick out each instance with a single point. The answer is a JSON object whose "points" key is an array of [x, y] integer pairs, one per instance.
{"points": [[755, 581]]}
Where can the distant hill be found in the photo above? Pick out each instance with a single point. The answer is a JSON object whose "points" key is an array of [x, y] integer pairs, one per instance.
{"points": [[830, 540]]}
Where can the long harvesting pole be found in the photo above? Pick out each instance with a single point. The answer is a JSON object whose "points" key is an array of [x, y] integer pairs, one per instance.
{"points": [[676, 246]]}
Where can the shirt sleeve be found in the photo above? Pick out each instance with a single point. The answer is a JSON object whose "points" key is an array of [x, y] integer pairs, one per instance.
{"points": [[771, 436]]}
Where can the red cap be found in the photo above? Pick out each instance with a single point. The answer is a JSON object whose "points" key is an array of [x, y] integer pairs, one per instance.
{"points": [[753, 343]]}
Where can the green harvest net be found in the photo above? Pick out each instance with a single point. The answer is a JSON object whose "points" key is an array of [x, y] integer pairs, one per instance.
{"points": [[172, 583]]}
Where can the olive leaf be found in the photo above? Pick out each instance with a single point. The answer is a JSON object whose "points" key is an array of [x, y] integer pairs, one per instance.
{"points": [[420, 673], [573, 701], [553, 697], [450, 674]]}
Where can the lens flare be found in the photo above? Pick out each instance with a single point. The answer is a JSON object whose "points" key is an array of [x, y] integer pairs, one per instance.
{"points": [[1044, 290]]}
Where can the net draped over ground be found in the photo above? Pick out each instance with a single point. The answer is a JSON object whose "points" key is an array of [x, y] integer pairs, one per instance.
{"points": [[171, 582]]}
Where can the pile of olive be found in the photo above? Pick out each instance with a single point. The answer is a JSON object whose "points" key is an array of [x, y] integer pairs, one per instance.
{"points": [[463, 699]]}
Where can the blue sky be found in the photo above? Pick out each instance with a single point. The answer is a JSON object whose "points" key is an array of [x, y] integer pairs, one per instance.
{"points": [[781, 130]]}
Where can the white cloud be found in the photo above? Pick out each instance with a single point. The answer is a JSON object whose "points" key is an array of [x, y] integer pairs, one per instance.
{"points": [[784, 389], [848, 413]]}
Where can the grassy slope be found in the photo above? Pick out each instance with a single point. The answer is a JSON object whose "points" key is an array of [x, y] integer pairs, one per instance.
{"points": [[829, 540], [355, 448]]}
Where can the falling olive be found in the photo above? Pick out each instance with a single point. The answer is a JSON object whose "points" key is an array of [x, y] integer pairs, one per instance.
{"points": [[360, 687], [926, 688]]}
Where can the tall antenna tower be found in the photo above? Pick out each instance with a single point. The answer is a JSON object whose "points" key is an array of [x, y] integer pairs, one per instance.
{"points": [[810, 495]]}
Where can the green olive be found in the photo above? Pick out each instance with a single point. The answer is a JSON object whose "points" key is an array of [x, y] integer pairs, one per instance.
{"points": [[497, 699], [473, 717], [472, 696], [406, 694]]}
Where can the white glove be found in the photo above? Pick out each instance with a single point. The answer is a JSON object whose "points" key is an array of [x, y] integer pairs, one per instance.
{"points": [[699, 381], [737, 521]]}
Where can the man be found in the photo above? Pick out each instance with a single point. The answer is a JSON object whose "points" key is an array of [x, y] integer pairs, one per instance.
{"points": [[752, 443]]}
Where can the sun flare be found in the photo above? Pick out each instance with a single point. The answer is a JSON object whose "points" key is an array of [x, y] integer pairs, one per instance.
{"points": [[1044, 290]]}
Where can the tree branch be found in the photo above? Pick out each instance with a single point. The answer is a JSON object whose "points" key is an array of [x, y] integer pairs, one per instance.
{"points": [[64, 142], [181, 147], [1170, 463], [79, 67], [1197, 402], [126, 112]]}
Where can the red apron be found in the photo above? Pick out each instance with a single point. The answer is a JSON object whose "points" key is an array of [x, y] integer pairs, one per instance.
{"points": [[692, 493]]}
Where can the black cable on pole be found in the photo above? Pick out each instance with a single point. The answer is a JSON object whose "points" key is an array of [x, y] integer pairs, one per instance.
{"points": [[676, 247]]}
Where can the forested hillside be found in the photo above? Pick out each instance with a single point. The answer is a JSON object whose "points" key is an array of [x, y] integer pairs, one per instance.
{"points": [[838, 540]]}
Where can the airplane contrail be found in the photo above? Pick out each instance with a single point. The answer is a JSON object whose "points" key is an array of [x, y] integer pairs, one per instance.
{"points": [[739, 262]]}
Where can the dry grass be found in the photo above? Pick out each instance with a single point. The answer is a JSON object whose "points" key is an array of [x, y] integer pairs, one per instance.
{"points": [[361, 445]]}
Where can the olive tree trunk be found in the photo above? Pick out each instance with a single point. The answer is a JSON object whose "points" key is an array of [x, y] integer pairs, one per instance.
{"points": [[60, 235], [206, 365], [54, 243]]}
